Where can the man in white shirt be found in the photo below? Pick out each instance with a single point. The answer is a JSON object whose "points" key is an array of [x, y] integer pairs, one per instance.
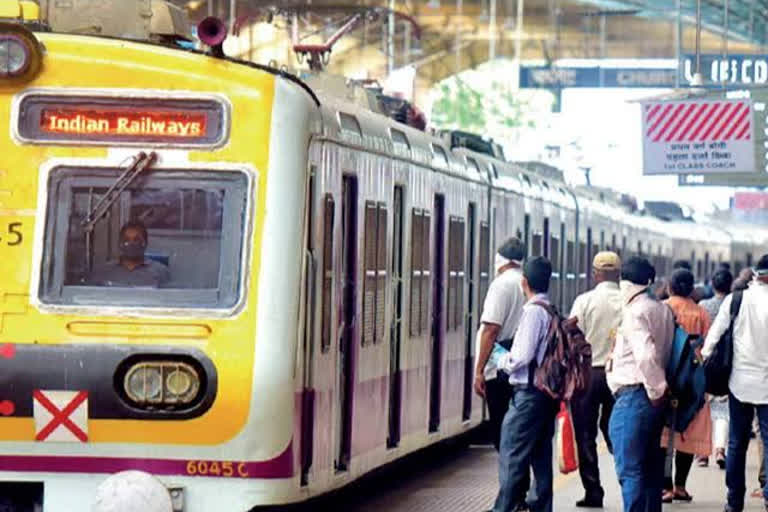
{"points": [[599, 315], [501, 314], [748, 383]]}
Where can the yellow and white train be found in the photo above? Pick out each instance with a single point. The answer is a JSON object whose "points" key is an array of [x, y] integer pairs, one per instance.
{"points": [[323, 269]]}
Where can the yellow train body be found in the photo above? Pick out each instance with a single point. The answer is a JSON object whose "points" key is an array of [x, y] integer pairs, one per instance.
{"points": [[104, 64]]}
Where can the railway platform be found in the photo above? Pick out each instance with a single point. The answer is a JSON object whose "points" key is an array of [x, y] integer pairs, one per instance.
{"points": [[465, 480]]}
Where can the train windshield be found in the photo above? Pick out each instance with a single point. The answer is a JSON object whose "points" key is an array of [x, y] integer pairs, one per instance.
{"points": [[171, 239]]}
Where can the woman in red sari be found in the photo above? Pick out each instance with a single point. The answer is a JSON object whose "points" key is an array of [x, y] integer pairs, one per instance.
{"points": [[697, 439]]}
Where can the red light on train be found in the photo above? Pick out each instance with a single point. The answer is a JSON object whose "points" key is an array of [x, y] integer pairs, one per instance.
{"points": [[120, 123]]}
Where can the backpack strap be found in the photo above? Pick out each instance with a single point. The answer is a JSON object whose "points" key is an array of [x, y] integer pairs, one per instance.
{"points": [[738, 296], [534, 364]]}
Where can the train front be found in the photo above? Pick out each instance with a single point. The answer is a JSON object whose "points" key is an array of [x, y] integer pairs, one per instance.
{"points": [[149, 273]]}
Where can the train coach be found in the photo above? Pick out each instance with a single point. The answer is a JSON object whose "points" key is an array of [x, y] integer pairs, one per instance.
{"points": [[310, 273]]}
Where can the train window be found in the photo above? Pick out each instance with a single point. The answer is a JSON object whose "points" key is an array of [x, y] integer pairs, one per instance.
{"points": [[472, 163], [527, 229], [171, 239], [382, 274], [375, 268], [485, 260], [536, 245], [349, 124], [455, 273], [439, 157], [424, 322], [400, 139], [420, 274], [329, 213], [554, 258]]}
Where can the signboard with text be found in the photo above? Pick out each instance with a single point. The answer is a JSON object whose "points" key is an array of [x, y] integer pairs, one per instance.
{"points": [[45, 118], [731, 70], [560, 77], [698, 137]]}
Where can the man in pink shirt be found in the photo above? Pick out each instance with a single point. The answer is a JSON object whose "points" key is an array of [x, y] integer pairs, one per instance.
{"points": [[636, 376]]}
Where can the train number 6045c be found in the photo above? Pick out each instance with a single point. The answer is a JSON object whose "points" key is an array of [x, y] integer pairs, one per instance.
{"points": [[217, 468]]}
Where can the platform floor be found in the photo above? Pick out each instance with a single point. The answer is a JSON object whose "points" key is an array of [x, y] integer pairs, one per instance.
{"points": [[466, 481]]}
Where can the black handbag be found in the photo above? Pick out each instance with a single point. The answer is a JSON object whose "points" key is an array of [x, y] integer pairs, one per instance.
{"points": [[717, 367]]}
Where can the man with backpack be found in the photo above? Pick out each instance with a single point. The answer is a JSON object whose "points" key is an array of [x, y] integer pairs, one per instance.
{"points": [[748, 376], [528, 427], [599, 314], [636, 375]]}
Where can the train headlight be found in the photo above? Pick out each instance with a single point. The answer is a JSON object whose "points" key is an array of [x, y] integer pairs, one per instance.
{"points": [[14, 56], [162, 383], [21, 54], [144, 383]]}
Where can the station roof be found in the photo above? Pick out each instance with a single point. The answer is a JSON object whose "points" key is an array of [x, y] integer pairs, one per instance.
{"points": [[461, 34], [746, 20]]}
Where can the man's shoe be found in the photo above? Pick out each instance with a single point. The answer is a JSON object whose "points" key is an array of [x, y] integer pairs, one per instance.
{"points": [[590, 503]]}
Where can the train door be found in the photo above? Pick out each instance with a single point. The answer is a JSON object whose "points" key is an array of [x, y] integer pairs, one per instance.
{"points": [[438, 269], [395, 335], [349, 296], [308, 359], [469, 324]]}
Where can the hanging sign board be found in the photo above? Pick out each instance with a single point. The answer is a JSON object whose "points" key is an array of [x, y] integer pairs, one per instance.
{"points": [[698, 137]]}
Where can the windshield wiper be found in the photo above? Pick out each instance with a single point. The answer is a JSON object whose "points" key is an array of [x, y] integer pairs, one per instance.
{"points": [[141, 162]]}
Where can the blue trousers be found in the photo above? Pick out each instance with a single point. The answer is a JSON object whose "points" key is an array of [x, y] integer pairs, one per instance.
{"points": [[742, 415], [635, 430], [526, 443]]}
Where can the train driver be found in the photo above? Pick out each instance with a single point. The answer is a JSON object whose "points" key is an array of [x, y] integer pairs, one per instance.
{"points": [[132, 269]]}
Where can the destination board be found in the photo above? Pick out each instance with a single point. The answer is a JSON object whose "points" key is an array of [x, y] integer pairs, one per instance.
{"points": [[113, 120]]}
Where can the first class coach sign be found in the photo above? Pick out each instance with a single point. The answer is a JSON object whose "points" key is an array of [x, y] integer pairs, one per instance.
{"points": [[698, 137]]}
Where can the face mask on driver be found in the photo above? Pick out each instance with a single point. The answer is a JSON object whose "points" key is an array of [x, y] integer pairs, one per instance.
{"points": [[132, 250]]}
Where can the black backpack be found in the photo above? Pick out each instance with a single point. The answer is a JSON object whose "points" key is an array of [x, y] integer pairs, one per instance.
{"points": [[718, 366]]}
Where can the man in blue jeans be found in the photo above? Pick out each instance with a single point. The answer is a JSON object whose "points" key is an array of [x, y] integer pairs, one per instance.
{"points": [[636, 376], [747, 384], [529, 424]]}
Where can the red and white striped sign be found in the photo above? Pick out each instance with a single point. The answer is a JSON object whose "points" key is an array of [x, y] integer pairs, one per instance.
{"points": [[699, 136]]}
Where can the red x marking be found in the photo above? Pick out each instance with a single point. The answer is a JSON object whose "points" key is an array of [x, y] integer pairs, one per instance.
{"points": [[61, 417]]}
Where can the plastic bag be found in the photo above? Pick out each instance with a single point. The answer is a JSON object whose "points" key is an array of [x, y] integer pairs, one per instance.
{"points": [[567, 452]]}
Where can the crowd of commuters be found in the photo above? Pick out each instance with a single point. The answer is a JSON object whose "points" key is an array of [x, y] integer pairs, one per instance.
{"points": [[629, 319]]}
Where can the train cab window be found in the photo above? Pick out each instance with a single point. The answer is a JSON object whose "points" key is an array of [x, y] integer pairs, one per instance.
{"points": [[327, 277], [375, 272], [169, 239], [420, 272], [455, 274], [439, 157]]}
